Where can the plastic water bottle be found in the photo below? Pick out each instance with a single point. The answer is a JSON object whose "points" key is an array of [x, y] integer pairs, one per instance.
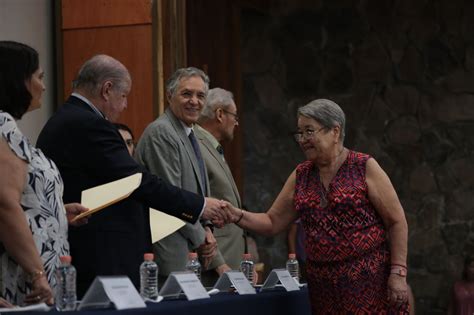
{"points": [[247, 267], [293, 267], [149, 278], [66, 285], [194, 265]]}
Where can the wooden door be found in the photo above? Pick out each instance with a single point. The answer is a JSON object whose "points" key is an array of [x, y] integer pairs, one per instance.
{"points": [[213, 44], [122, 29]]}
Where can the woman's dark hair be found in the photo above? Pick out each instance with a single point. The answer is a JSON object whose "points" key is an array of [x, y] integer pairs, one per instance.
{"points": [[120, 126], [18, 62]]}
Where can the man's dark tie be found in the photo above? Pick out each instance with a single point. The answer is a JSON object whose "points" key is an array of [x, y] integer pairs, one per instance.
{"points": [[197, 152]]}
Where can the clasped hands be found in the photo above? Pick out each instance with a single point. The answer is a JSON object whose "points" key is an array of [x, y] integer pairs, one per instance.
{"points": [[220, 212]]}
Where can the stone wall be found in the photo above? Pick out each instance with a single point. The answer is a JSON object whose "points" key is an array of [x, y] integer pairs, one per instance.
{"points": [[403, 71]]}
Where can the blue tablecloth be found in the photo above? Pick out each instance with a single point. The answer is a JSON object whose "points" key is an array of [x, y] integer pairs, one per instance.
{"points": [[274, 302]]}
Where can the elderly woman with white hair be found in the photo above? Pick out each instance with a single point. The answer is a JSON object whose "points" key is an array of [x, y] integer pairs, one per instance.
{"points": [[356, 231]]}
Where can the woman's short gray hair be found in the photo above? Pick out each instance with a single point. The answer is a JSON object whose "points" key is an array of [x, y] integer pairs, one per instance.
{"points": [[99, 69], [216, 98], [325, 112], [173, 81]]}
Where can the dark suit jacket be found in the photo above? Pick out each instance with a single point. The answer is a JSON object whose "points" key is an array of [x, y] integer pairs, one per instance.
{"points": [[89, 151]]}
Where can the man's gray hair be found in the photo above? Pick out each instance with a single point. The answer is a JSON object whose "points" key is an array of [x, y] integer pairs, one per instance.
{"points": [[179, 74], [216, 98], [327, 113], [98, 69]]}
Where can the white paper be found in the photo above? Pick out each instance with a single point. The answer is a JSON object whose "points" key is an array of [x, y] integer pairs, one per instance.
{"points": [[118, 290], [237, 279], [157, 300], [213, 291], [162, 225], [41, 307], [95, 296], [188, 282], [241, 283], [282, 276], [100, 197], [192, 286], [122, 293], [288, 282], [171, 287]]}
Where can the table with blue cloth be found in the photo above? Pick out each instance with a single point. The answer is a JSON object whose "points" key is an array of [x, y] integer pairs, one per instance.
{"points": [[275, 302]]}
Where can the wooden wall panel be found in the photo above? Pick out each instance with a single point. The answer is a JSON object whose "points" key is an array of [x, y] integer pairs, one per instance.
{"points": [[100, 13], [174, 36], [122, 29], [131, 45], [213, 44]]}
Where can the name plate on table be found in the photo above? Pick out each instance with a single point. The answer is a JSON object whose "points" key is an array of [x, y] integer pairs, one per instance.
{"points": [[187, 282], [237, 279], [118, 290], [282, 276]]}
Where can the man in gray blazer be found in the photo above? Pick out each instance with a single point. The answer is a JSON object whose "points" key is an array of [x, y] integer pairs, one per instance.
{"points": [[218, 121], [169, 149]]}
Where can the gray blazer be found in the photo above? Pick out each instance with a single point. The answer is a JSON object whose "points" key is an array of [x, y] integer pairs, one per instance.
{"points": [[222, 186], [165, 150]]}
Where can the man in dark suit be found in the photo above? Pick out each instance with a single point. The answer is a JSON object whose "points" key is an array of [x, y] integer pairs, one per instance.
{"points": [[218, 121], [89, 151]]}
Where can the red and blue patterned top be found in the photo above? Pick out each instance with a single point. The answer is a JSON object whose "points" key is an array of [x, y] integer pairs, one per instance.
{"points": [[348, 260], [348, 226]]}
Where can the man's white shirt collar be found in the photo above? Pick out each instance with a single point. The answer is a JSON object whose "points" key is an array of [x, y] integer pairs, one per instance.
{"points": [[187, 129], [85, 100]]}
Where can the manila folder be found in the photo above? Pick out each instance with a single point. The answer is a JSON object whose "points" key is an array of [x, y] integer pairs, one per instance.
{"points": [[162, 224], [100, 197]]}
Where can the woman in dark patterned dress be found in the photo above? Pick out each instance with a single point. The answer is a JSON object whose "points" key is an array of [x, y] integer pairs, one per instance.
{"points": [[356, 231], [33, 218]]}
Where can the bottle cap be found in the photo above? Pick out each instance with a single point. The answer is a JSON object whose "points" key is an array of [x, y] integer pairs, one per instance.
{"points": [[247, 256], [192, 255], [65, 259], [148, 256], [292, 256]]}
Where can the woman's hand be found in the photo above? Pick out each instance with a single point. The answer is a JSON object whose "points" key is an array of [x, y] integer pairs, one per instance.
{"points": [[41, 292], [5, 303], [73, 210], [397, 290], [233, 213]]}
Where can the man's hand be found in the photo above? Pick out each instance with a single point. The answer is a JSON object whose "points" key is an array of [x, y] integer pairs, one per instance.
{"points": [[208, 250], [214, 212], [222, 268], [255, 277], [74, 209]]}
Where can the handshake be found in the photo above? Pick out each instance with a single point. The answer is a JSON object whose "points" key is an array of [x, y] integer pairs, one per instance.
{"points": [[220, 212]]}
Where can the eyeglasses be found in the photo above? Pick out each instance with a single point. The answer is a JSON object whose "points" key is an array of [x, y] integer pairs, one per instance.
{"points": [[236, 117], [307, 134]]}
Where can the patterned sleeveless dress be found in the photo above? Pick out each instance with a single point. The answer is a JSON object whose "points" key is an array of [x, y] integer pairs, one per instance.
{"points": [[44, 210], [348, 260]]}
